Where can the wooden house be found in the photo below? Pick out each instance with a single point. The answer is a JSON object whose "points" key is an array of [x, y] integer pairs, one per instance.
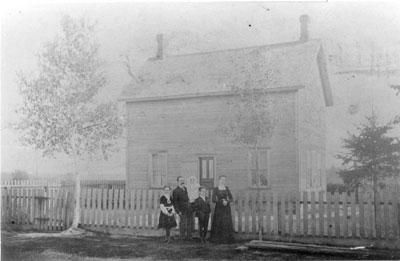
{"points": [[174, 109]]}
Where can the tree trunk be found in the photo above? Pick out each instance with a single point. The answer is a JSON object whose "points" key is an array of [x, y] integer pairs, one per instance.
{"points": [[77, 190], [77, 196]]}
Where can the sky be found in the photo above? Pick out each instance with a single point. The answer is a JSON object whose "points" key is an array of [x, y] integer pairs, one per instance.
{"points": [[131, 27]]}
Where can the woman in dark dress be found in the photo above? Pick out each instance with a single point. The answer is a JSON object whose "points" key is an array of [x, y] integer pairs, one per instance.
{"points": [[167, 213], [222, 226]]}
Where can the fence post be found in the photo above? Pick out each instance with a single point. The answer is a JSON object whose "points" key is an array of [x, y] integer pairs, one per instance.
{"points": [[361, 214], [337, 214], [378, 216], [305, 213]]}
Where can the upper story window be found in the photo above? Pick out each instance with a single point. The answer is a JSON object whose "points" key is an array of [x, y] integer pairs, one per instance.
{"points": [[259, 167]]}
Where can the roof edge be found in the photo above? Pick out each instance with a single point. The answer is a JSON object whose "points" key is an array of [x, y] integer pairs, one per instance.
{"points": [[268, 46], [201, 95]]}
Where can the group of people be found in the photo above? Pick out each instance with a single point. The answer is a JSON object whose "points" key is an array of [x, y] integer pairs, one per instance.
{"points": [[194, 203]]}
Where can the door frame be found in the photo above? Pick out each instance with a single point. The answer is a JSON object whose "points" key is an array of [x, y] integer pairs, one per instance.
{"points": [[213, 157]]}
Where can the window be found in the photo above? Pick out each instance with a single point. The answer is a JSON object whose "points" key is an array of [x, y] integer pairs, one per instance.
{"points": [[260, 158], [158, 169], [313, 168]]}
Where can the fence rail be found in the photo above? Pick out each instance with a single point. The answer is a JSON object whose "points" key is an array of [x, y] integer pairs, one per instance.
{"points": [[120, 184], [306, 214]]}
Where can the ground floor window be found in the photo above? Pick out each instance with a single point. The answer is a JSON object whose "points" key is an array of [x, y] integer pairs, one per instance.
{"points": [[158, 167], [313, 169], [259, 160]]}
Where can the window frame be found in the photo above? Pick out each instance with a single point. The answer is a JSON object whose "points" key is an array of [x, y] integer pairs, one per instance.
{"points": [[250, 168], [151, 170]]}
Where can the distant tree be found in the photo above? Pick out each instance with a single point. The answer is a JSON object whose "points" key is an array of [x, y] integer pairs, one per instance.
{"points": [[371, 155], [19, 175], [59, 113]]}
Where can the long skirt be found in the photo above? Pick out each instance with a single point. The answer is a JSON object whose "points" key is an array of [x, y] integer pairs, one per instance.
{"points": [[222, 226]]}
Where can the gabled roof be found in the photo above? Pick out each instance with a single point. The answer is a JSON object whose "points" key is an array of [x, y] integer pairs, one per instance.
{"points": [[207, 73]]}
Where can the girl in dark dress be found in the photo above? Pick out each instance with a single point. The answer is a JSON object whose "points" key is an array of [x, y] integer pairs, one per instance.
{"points": [[167, 213], [222, 226]]}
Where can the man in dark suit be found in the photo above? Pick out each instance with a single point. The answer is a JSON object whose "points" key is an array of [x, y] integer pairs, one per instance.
{"points": [[202, 208], [182, 207]]}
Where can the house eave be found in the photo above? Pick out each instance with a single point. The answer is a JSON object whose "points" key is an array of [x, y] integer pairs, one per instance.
{"points": [[202, 95]]}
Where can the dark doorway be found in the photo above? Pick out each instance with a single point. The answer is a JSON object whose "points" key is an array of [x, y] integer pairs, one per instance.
{"points": [[206, 172]]}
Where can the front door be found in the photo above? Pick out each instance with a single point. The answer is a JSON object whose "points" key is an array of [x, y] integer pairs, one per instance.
{"points": [[206, 172]]}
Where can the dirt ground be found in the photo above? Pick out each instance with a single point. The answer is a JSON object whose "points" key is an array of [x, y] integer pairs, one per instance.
{"points": [[96, 247]]}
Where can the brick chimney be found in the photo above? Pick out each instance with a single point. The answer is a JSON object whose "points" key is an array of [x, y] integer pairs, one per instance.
{"points": [[160, 47], [304, 34]]}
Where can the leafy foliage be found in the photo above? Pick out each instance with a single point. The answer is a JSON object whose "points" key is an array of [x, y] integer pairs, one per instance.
{"points": [[253, 107], [371, 154], [59, 111]]}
